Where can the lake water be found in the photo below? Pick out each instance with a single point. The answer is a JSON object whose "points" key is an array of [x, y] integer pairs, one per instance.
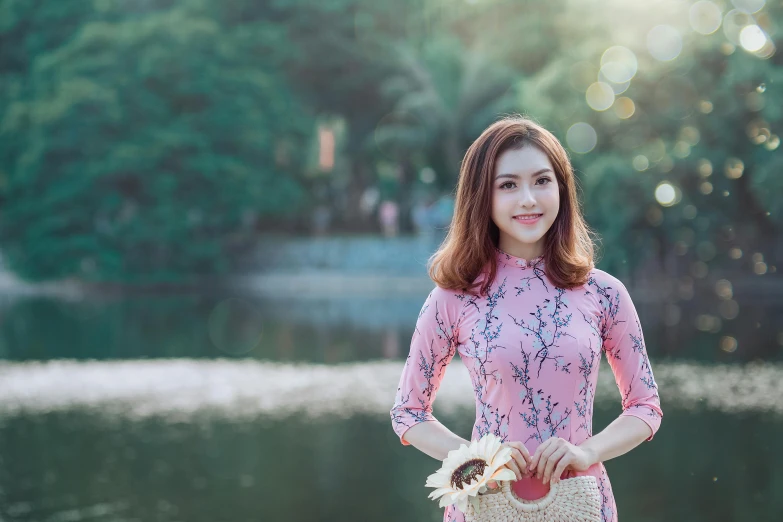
{"points": [[222, 408]]}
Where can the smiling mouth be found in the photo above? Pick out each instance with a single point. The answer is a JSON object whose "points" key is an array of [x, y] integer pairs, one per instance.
{"points": [[527, 218]]}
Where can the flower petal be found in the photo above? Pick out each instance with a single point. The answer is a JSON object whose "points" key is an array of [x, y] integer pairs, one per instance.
{"points": [[462, 504], [439, 477], [495, 446], [501, 457], [439, 492], [445, 500], [475, 502], [474, 448], [482, 446]]}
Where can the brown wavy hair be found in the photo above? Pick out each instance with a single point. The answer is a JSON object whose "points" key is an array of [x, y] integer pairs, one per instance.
{"points": [[469, 246]]}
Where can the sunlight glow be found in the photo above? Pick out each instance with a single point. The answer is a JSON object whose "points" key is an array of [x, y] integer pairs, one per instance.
{"points": [[666, 194], [752, 38]]}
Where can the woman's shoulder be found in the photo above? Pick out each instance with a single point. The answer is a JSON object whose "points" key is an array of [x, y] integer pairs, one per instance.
{"points": [[449, 295], [604, 281]]}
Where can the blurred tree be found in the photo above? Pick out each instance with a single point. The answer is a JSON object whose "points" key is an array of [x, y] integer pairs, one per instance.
{"points": [[147, 147]]}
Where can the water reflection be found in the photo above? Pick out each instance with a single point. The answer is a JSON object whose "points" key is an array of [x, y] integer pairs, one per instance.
{"points": [[82, 465], [338, 329], [207, 326]]}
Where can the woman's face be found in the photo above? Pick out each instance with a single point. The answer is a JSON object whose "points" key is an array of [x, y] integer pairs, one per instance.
{"points": [[524, 183]]}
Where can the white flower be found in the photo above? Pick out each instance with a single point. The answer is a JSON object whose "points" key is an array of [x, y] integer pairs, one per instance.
{"points": [[467, 470]]}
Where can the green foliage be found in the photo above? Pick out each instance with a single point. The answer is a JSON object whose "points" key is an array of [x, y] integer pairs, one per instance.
{"points": [[145, 148]]}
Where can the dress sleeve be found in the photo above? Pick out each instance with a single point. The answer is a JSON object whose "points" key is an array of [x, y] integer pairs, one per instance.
{"points": [[433, 345], [623, 343]]}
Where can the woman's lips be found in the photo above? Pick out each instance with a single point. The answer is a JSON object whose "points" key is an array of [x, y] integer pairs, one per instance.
{"points": [[527, 221]]}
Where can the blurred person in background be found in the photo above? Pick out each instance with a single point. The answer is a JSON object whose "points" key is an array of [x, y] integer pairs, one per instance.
{"points": [[389, 214]]}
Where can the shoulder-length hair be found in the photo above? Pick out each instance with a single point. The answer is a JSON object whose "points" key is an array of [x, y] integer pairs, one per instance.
{"points": [[469, 246]]}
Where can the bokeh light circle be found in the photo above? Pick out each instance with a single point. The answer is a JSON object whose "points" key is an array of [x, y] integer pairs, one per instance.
{"points": [[752, 38], [734, 21], [624, 107], [600, 96], [427, 175], [641, 163], [664, 43], [666, 194], [690, 134], [618, 88], [705, 17], [767, 50], [619, 64], [749, 6], [734, 168], [581, 137]]}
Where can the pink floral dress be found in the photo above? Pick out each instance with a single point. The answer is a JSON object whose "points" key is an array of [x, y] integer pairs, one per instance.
{"points": [[533, 352]]}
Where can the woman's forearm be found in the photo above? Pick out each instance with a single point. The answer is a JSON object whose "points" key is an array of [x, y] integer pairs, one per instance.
{"points": [[434, 439], [620, 437]]}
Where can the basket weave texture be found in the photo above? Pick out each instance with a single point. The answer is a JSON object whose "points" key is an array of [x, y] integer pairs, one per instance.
{"points": [[575, 499]]}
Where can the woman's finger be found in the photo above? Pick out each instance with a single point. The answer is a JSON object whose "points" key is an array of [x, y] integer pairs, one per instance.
{"points": [[537, 455], [513, 466], [561, 467], [541, 466], [552, 461], [520, 460], [524, 454]]}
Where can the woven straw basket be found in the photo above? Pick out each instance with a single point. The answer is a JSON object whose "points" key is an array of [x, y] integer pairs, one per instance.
{"points": [[575, 499]]}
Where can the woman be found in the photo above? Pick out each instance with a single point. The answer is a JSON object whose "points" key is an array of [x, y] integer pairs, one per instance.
{"points": [[518, 296]]}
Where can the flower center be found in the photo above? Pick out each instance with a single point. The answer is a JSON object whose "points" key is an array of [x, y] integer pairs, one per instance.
{"points": [[467, 472]]}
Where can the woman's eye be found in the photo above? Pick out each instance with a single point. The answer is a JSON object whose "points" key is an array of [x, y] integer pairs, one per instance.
{"points": [[506, 183], [547, 179]]}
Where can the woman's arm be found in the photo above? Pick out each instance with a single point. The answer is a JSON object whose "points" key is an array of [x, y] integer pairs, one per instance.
{"points": [[434, 439], [618, 438], [555, 455]]}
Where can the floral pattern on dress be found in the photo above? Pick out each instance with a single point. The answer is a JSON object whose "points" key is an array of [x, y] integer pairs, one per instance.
{"points": [[533, 353]]}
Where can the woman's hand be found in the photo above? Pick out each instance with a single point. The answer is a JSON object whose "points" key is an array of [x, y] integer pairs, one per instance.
{"points": [[520, 460], [555, 455]]}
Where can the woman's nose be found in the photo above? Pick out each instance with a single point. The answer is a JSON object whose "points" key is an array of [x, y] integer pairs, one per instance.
{"points": [[526, 197]]}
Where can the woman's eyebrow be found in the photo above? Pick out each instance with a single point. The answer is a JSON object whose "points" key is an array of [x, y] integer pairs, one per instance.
{"points": [[516, 176]]}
